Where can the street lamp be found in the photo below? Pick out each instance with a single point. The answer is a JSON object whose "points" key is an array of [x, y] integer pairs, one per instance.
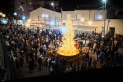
{"points": [[0, 13], [90, 23], [105, 16], [42, 15], [82, 19], [3, 15], [15, 14], [52, 4], [46, 15]]}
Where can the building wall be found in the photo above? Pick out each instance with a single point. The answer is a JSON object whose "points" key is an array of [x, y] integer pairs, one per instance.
{"points": [[88, 15], [118, 24], [36, 16]]}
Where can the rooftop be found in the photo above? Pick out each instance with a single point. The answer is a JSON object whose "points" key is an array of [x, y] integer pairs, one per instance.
{"points": [[92, 7]]}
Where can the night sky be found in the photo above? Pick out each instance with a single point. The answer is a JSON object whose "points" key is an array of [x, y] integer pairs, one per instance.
{"points": [[69, 4]]}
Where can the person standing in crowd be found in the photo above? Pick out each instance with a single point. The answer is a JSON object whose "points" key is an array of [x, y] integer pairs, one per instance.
{"points": [[30, 62], [45, 66], [40, 62], [30, 41], [101, 57]]}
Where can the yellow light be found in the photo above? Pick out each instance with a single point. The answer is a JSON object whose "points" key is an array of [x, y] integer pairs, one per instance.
{"points": [[0, 13], [3, 15], [27, 25], [82, 19], [67, 47], [90, 23], [52, 4], [42, 15]]}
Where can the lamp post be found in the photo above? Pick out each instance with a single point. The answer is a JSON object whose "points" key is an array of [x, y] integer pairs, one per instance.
{"points": [[52, 4], [23, 16], [3, 15], [15, 14], [105, 17]]}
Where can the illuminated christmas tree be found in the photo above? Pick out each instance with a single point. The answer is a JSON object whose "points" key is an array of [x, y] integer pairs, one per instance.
{"points": [[67, 47]]}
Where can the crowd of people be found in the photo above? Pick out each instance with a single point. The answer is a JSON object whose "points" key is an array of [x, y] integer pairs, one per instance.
{"points": [[2, 73], [38, 48]]}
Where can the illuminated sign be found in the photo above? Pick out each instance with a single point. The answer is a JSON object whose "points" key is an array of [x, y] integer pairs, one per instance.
{"points": [[43, 23], [78, 25]]}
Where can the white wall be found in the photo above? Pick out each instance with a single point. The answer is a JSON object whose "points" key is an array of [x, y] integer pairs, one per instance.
{"points": [[87, 14], [38, 12], [117, 23]]}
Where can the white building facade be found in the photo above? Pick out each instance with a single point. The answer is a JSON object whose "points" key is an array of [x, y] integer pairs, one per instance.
{"points": [[83, 20], [93, 20], [45, 18]]}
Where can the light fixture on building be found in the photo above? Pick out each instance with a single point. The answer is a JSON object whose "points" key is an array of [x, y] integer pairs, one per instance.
{"points": [[90, 23], [82, 19], [46, 15], [0, 13], [52, 4], [30, 3], [4, 21], [3, 15], [23, 17], [15, 13], [43, 15]]}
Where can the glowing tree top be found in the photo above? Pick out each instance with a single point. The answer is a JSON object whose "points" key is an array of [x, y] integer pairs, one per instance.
{"points": [[67, 47]]}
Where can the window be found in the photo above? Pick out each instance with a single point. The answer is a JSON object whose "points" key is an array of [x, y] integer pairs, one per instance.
{"points": [[98, 17], [78, 16], [68, 15], [22, 2]]}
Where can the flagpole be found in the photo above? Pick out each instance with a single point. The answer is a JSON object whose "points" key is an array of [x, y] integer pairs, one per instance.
{"points": [[61, 15], [61, 12]]}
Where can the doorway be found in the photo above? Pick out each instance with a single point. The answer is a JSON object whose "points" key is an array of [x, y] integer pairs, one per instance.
{"points": [[112, 31]]}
